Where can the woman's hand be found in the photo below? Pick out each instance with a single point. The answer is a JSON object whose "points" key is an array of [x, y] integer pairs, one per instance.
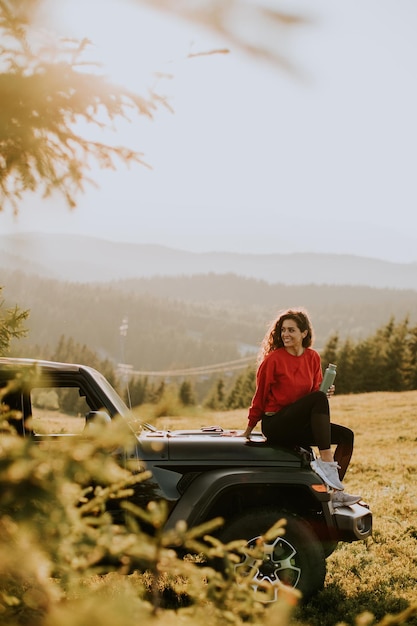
{"points": [[246, 433], [330, 391]]}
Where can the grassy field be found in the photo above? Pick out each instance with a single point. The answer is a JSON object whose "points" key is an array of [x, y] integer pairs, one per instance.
{"points": [[379, 575]]}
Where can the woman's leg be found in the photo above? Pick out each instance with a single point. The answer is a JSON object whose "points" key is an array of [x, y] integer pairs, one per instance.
{"points": [[343, 437], [307, 423], [304, 422]]}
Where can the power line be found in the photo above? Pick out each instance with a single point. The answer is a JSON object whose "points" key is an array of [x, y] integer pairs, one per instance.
{"points": [[193, 371], [197, 371]]}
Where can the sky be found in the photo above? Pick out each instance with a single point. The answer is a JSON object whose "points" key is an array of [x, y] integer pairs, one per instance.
{"points": [[255, 159]]}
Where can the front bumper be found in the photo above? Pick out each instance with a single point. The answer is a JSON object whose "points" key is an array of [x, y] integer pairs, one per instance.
{"points": [[353, 522]]}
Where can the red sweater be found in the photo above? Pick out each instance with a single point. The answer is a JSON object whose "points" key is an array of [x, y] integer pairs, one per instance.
{"points": [[283, 378]]}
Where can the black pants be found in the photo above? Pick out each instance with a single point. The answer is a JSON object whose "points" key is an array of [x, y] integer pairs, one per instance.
{"points": [[306, 422]]}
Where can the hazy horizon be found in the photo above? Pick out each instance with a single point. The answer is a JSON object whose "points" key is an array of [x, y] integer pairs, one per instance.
{"points": [[172, 246]]}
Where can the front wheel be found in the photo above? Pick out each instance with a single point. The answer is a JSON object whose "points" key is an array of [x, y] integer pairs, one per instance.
{"points": [[295, 559]]}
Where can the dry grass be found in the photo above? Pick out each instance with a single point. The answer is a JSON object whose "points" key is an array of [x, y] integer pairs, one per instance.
{"points": [[379, 575]]}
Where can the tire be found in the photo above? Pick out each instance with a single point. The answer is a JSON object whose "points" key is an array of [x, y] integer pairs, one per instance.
{"points": [[329, 547], [295, 559]]}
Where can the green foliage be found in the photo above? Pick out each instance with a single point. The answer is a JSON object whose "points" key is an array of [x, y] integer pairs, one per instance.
{"points": [[237, 396], [70, 351], [168, 332], [245, 305], [216, 397], [166, 401], [54, 524], [139, 391], [186, 393], [56, 534], [329, 354], [162, 335], [11, 325], [385, 361], [242, 391], [412, 358], [63, 559], [45, 90]]}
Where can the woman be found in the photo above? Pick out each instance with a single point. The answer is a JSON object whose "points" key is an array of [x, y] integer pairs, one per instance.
{"points": [[290, 404]]}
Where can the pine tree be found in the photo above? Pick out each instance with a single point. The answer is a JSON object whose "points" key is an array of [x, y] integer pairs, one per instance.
{"points": [[138, 390], [216, 398], [346, 373], [44, 91], [70, 351], [242, 392], [11, 325], [396, 356], [412, 359], [329, 354], [186, 394]]}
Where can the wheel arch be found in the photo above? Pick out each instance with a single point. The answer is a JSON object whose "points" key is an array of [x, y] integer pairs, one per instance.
{"points": [[224, 494]]}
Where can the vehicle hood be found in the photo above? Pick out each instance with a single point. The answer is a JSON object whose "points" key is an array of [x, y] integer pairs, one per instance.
{"points": [[214, 446]]}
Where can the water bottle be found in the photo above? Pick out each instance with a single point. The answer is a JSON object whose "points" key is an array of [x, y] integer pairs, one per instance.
{"points": [[328, 378]]}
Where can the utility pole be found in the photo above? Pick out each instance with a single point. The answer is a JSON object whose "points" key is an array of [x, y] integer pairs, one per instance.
{"points": [[123, 368]]}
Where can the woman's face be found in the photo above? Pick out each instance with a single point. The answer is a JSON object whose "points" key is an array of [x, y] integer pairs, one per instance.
{"points": [[292, 337]]}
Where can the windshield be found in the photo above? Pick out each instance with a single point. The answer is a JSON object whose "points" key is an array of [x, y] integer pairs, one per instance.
{"points": [[112, 395], [121, 408]]}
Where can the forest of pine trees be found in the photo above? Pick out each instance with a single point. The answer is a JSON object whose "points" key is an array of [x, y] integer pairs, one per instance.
{"points": [[384, 361], [185, 322]]}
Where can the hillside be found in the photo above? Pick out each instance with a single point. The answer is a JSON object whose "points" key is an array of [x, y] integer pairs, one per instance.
{"points": [[74, 258], [176, 322]]}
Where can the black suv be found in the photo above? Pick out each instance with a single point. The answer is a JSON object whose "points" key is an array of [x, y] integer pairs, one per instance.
{"points": [[203, 474]]}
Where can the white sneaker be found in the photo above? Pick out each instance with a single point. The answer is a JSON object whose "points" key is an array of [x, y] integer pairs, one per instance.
{"points": [[327, 470], [340, 498]]}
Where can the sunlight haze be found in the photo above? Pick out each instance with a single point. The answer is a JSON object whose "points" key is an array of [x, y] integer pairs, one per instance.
{"points": [[255, 159]]}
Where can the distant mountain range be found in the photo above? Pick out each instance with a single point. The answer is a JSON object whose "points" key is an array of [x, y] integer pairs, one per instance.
{"points": [[82, 259]]}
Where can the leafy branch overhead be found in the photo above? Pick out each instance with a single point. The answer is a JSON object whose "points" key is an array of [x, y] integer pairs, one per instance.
{"points": [[259, 31], [51, 96], [45, 93]]}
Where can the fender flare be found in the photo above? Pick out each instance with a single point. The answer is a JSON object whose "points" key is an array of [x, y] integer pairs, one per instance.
{"points": [[206, 488]]}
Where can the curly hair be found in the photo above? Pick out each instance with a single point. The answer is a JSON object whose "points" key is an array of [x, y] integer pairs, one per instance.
{"points": [[273, 340]]}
